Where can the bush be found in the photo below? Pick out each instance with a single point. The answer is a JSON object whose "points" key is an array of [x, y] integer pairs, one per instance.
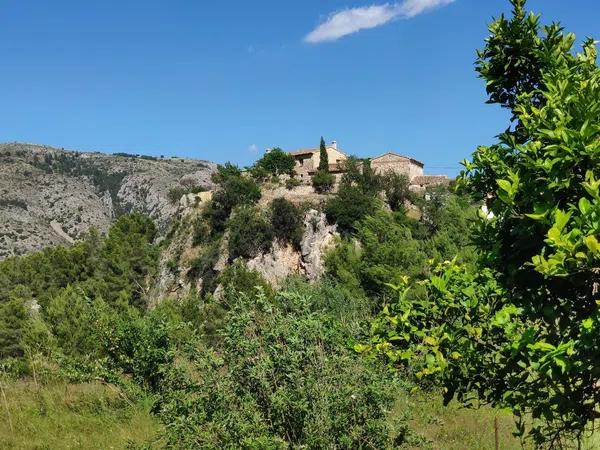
{"points": [[200, 231], [203, 267], [234, 191], [283, 378], [323, 182], [249, 234], [350, 205], [396, 189], [292, 183], [226, 172], [139, 346], [286, 220], [175, 194]]}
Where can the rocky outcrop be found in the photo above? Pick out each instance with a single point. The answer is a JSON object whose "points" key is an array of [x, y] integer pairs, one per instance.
{"points": [[49, 196], [283, 260], [278, 264], [318, 237], [175, 279]]}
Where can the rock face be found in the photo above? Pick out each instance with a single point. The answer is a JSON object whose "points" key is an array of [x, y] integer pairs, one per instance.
{"points": [[283, 261], [276, 265], [50, 196], [318, 238]]}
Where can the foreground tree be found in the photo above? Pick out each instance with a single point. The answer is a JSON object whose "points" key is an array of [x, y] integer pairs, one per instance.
{"points": [[532, 342]]}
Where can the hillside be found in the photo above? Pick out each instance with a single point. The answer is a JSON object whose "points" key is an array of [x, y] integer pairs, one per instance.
{"points": [[50, 196]]}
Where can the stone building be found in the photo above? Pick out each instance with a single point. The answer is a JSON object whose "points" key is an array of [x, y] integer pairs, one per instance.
{"points": [[394, 162], [307, 161], [307, 164]]}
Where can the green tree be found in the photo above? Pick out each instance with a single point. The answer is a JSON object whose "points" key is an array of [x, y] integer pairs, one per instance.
{"points": [[234, 191], [14, 321], [286, 220], [323, 157], [225, 172], [532, 342], [128, 256], [349, 206], [396, 189], [277, 162], [322, 182], [249, 233]]}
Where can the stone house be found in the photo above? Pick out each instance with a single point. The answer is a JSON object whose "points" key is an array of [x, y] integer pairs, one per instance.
{"points": [[307, 161], [307, 164], [400, 164]]}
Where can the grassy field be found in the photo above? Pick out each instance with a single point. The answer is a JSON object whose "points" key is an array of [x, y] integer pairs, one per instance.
{"points": [[440, 427], [95, 416], [90, 416]]}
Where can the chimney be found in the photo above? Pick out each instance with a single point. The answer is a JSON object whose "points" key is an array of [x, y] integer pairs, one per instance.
{"points": [[334, 144]]}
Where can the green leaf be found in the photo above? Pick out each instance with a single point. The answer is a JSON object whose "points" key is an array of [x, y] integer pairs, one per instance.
{"points": [[592, 243], [505, 185], [561, 219], [584, 205]]}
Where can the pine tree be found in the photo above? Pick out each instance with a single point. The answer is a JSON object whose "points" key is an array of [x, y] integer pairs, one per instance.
{"points": [[323, 158]]}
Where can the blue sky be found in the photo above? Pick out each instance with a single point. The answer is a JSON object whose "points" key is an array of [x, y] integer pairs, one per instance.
{"points": [[224, 80]]}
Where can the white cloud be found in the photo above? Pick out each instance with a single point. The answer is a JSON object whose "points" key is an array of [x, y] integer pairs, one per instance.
{"points": [[253, 148], [352, 20]]}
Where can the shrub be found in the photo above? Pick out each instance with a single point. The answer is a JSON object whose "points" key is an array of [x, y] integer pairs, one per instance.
{"points": [[238, 280], [139, 346], [286, 220], [234, 191], [396, 189], [292, 183], [200, 231], [323, 182], [350, 205], [249, 233], [203, 267], [226, 172], [283, 378], [175, 194]]}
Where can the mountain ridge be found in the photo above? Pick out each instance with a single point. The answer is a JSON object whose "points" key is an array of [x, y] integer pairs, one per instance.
{"points": [[52, 196]]}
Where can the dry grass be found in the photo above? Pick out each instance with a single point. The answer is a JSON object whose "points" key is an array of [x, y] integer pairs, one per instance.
{"points": [[72, 416]]}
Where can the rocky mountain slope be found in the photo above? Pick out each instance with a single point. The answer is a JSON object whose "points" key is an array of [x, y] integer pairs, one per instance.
{"points": [[180, 256], [50, 196]]}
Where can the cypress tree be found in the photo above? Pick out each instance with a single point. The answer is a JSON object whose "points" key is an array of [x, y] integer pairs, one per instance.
{"points": [[323, 158]]}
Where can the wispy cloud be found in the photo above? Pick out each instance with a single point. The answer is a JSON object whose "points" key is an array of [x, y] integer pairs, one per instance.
{"points": [[353, 20], [253, 148]]}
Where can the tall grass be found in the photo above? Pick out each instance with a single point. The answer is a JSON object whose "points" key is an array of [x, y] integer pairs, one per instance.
{"points": [[73, 416]]}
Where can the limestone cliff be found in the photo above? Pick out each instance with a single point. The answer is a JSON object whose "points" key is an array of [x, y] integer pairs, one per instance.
{"points": [[49, 196], [177, 277]]}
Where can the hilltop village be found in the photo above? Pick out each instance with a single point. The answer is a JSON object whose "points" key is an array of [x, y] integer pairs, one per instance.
{"points": [[307, 165]]}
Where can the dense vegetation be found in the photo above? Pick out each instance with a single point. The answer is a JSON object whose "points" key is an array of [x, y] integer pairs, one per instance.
{"points": [[413, 302], [521, 331]]}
